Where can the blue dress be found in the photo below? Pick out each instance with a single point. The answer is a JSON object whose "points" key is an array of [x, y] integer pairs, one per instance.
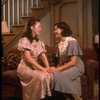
{"points": [[68, 80]]}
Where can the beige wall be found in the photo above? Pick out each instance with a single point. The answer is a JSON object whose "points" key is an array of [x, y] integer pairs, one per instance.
{"points": [[45, 33]]}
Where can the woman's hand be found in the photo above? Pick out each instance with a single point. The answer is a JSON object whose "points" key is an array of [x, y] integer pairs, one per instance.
{"points": [[54, 69], [51, 69], [47, 69]]}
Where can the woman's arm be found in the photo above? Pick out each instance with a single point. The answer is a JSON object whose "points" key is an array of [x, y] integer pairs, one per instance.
{"points": [[29, 59], [69, 64], [45, 60]]}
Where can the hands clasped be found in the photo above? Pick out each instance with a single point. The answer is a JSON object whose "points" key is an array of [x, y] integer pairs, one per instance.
{"points": [[51, 69]]}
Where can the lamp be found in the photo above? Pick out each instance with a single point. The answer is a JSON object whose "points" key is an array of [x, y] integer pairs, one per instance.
{"points": [[96, 39], [5, 28], [96, 44]]}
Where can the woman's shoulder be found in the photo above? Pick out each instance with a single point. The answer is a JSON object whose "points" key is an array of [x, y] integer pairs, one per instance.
{"points": [[73, 41], [74, 44], [23, 44]]}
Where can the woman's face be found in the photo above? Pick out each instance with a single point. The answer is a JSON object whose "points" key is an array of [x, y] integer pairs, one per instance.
{"points": [[57, 32], [36, 28]]}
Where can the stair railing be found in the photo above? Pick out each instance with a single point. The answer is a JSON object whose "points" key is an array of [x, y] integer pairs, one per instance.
{"points": [[13, 10]]}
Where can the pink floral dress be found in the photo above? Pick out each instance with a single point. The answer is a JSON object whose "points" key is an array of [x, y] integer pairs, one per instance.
{"points": [[35, 83]]}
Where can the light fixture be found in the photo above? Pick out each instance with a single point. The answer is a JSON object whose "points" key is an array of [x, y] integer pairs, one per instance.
{"points": [[5, 28], [96, 44], [96, 39]]}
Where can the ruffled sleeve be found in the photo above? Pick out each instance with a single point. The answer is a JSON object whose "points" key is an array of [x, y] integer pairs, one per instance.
{"points": [[74, 49], [24, 44]]}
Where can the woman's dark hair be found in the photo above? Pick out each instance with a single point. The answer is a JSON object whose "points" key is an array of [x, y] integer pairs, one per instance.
{"points": [[66, 31], [28, 31]]}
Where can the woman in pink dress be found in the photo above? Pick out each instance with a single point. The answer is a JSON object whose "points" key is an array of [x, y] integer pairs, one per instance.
{"points": [[34, 78]]}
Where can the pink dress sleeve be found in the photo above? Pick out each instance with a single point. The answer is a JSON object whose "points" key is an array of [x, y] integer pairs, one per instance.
{"points": [[24, 44]]}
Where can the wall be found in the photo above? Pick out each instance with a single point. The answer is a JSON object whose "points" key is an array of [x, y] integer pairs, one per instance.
{"points": [[45, 33], [95, 14]]}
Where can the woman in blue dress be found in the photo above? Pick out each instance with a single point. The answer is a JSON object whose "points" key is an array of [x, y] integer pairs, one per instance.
{"points": [[70, 67]]}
